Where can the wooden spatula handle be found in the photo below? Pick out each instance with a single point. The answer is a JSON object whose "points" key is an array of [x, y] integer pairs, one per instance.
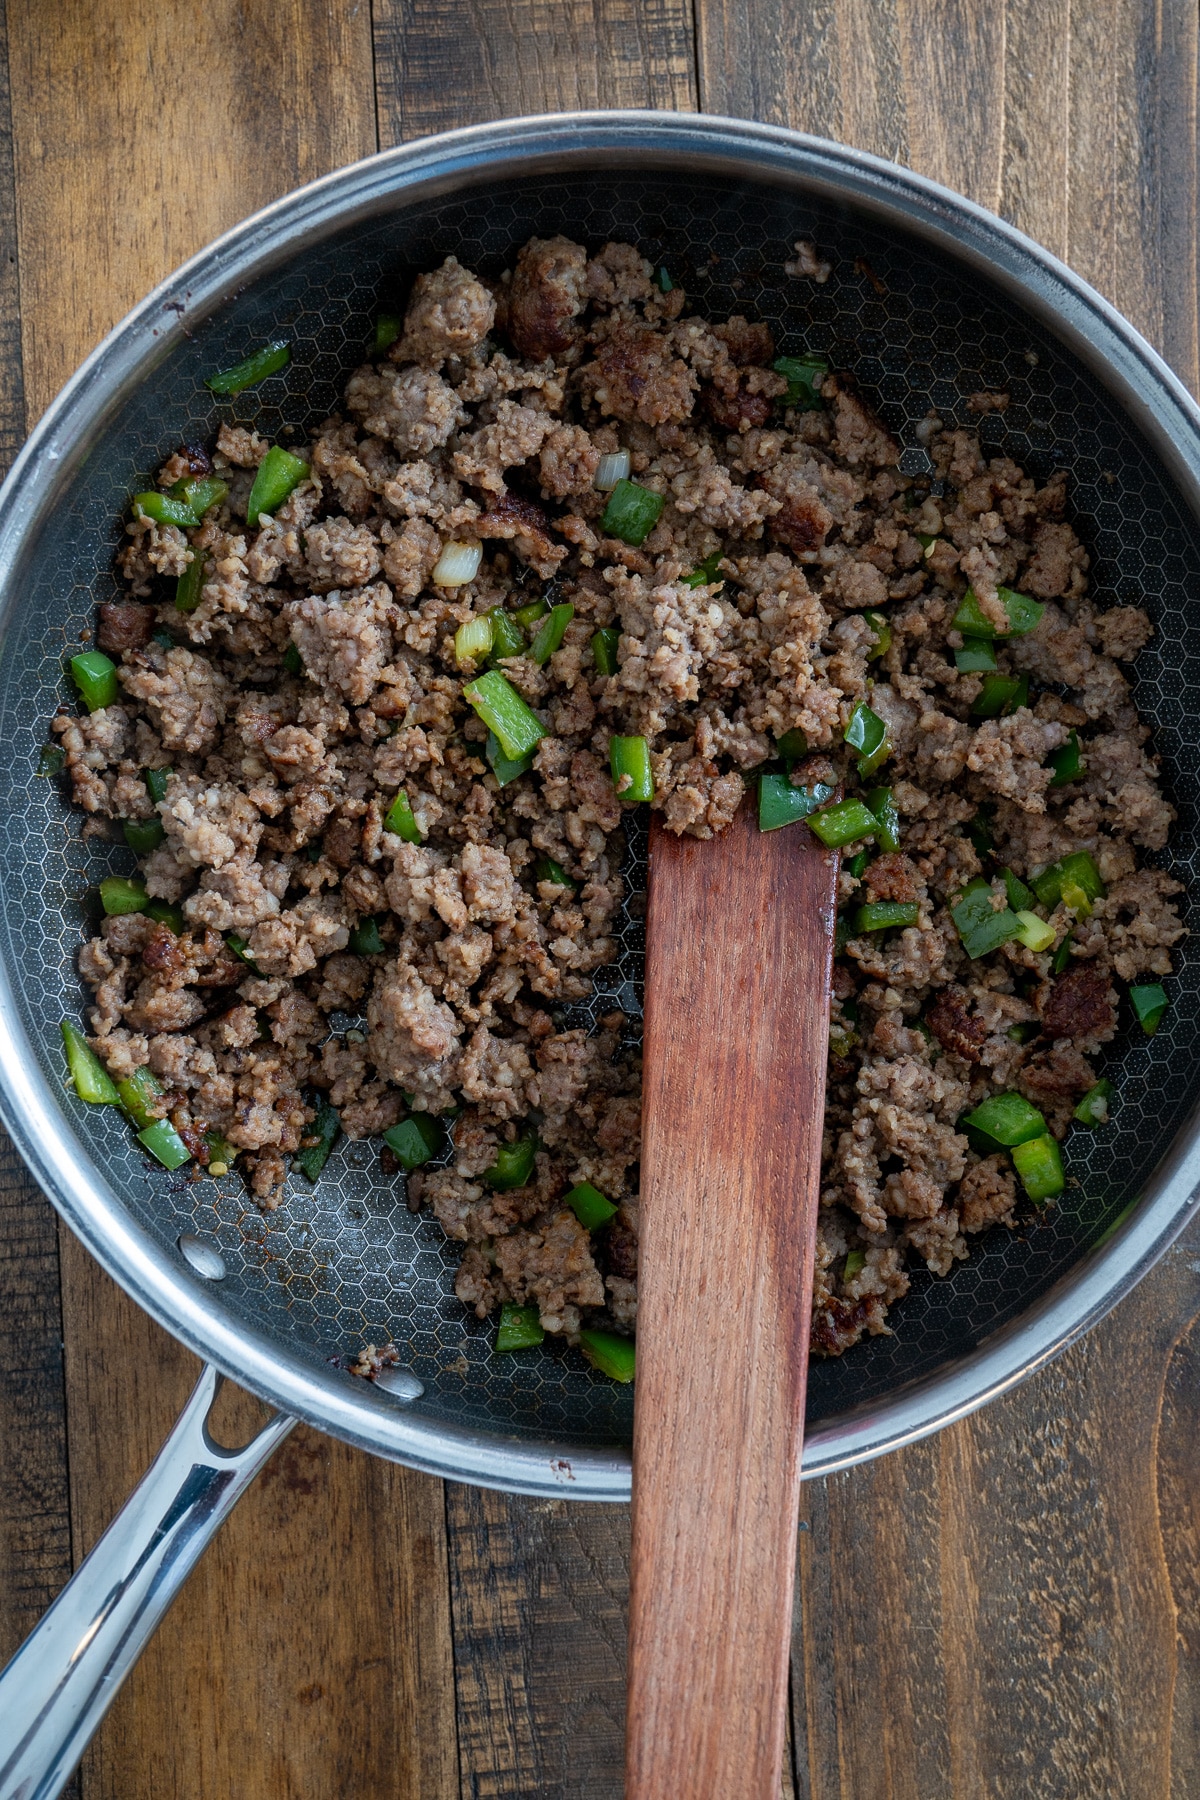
{"points": [[739, 942]]}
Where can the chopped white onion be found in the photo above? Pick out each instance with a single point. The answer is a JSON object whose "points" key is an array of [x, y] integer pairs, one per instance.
{"points": [[614, 467], [473, 640], [458, 564]]}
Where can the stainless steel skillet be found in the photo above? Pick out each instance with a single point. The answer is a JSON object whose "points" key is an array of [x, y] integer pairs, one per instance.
{"points": [[929, 300]]}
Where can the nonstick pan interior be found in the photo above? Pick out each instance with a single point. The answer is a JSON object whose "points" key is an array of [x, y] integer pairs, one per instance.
{"points": [[345, 1263]]}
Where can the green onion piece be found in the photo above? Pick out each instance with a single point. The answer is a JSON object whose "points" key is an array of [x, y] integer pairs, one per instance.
{"points": [[976, 657], [632, 512], [926, 539], [138, 1095], [630, 761], [857, 864], [705, 573], [855, 1260], [414, 1140], [318, 1141], [1006, 1119], [1024, 1032], [165, 1144], [365, 939], [553, 873], [779, 803], [253, 369], [867, 733], [1062, 955], [841, 935], [503, 711], [399, 818], [1019, 896], [388, 327], [278, 473], [200, 492], [1034, 933], [293, 662], [604, 649], [473, 639], [505, 768], [51, 759], [240, 948], [550, 634], [589, 1205], [164, 509], [609, 1354], [1149, 1003], [663, 281], [513, 1165], [143, 835], [96, 678], [882, 632], [190, 583], [883, 805], [885, 915], [1066, 762], [529, 615], [1000, 694], [221, 1153], [92, 1080], [844, 824], [507, 637], [163, 913], [121, 894], [1093, 1109], [156, 783], [1077, 868], [1075, 898], [519, 1329], [980, 927], [979, 831], [1023, 614], [1039, 1164], [804, 377], [791, 746]]}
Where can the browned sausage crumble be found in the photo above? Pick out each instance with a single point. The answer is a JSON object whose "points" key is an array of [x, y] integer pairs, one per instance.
{"points": [[486, 424]]}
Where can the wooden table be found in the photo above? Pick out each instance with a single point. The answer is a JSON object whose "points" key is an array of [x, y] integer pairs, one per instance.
{"points": [[1009, 1610]]}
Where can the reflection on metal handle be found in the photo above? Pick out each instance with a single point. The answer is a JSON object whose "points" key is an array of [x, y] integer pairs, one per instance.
{"points": [[66, 1675]]}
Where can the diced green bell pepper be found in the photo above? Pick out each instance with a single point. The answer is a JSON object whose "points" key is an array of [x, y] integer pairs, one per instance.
{"points": [[844, 824], [550, 634], [165, 1144], [632, 775], [1038, 1161], [604, 649], [885, 915], [365, 939], [122, 894], [1067, 762], [164, 509], [1149, 1003], [976, 657], [252, 369], [609, 1354], [1022, 610], [981, 928], [503, 711], [882, 803], [1093, 1109], [867, 733], [1006, 1119], [138, 1094], [505, 768], [143, 835], [399, 818], [519, 1329], [804, 375], [318, 1141], [95, 675], [415, 1140], [91, 1079], [279, 473], [632, 512], [514, 1164], [589, 1205], [779, 803]]}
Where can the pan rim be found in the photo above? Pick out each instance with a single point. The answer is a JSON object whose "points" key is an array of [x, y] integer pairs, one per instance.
{"points": [[1133, 372]]}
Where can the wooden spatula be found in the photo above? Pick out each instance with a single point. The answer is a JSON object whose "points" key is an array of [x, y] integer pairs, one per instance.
{"points": [[738, 956]]}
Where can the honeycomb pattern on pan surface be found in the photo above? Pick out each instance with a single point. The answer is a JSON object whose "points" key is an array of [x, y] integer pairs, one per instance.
{"points": [[345, 1262]]}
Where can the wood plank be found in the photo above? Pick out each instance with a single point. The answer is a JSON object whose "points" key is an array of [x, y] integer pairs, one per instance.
{"points": [[441, 63], [311, 1651], [539, 1592]]}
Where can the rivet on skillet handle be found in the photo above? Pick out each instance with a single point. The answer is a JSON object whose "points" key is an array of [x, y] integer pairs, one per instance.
{"points": [[66, 1675], [739, 942]]}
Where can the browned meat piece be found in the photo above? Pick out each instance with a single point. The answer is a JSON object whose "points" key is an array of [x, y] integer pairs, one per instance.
{"points": [[524, 524], [736, 409], [123, 625], [953, 1026], [1056, 1074], [891, 877], [547, 295], [747, 341], [1078, 1004]]}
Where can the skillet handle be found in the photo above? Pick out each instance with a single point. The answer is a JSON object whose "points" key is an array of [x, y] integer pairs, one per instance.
{"points": [[67, 1673]]}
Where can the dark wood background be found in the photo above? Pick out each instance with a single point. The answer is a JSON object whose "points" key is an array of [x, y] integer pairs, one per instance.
{"points": [[1011, 1609]]}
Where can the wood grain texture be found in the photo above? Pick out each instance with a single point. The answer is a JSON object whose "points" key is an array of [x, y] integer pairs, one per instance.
{"points": [[442, 63], [739, 945], [311, 1651]]}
